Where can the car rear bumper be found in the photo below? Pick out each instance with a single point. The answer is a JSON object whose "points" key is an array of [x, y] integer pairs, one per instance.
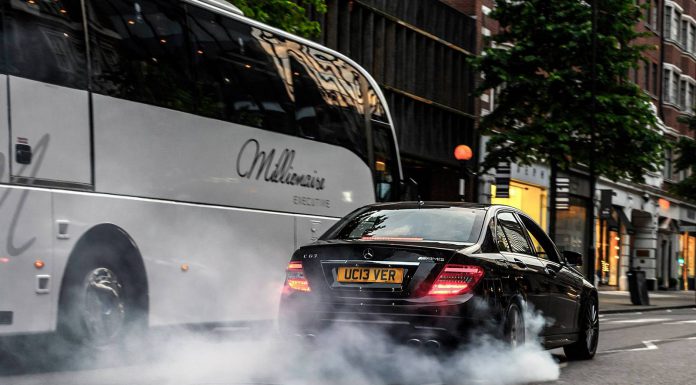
{"points": [[452, 320]]}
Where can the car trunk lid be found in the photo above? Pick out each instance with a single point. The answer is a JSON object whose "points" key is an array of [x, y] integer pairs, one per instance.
{"points": [[373, 270]]}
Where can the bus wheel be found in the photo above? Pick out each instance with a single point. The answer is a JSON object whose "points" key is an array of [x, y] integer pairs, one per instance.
{"points": [[99, 301]]}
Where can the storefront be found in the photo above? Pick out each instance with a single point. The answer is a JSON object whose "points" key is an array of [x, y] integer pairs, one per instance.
{"points": [[687, 259], [529, 198], [571, 221], [571, 226], [612, 244]]}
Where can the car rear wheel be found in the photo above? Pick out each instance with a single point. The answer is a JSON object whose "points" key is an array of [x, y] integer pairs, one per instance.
{"points": [[586, 345], [513, 328]]}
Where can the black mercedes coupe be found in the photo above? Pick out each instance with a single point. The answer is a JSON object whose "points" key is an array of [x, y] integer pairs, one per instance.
{"points": [[438, 273]]}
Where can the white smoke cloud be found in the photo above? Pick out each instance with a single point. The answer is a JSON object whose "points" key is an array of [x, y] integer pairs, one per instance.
{"points": [[352, 355], [343, 355]]}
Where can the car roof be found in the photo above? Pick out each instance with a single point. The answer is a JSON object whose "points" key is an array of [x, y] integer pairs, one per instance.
{"points": [[438, 204]]}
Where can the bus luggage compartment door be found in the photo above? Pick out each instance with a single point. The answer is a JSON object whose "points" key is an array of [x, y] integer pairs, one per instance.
{"points": [[50, 133]]}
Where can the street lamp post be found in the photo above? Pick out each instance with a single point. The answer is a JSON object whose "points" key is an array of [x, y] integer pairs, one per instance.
{"points": [[463, 153]]}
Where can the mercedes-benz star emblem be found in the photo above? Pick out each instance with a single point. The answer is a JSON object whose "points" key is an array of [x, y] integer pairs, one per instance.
{"points": [[368, 254]]}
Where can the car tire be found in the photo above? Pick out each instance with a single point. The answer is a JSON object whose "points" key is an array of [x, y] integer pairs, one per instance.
{"points": [[514, 326], [586, 345], [101, 305]]}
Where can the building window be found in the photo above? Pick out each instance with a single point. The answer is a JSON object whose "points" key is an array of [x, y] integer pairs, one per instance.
{"points": [[692, 38], [646, 76], [691, 107], [654, 78], [684, 34], [668, 22], [635, 74], [682, 94], [674, 31], [653, 13], [670, 86], [667, 171]]}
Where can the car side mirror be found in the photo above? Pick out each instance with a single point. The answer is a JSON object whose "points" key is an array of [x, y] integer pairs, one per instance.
{"points": [[573, 257]]}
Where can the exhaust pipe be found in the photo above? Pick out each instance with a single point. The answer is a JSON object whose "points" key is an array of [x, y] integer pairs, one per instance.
{"points": [[432, 345], [414, 343]]}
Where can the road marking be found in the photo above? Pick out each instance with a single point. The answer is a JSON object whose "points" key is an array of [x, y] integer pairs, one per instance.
{"points": [[637, 321], [669, 311], [649, 345], [692, 321]]}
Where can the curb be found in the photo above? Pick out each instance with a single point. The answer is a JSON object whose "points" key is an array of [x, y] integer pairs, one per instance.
{"points": [[635, 310]]}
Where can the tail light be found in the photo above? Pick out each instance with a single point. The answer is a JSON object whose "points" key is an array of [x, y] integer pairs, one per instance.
{"points": [[456, 280], [295, 277]]}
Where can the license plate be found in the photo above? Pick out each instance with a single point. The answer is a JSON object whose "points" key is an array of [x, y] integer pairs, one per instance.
{"points": [[370, 275]]}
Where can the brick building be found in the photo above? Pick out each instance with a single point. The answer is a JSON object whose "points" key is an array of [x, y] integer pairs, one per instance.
{"points": [[646, 228]]}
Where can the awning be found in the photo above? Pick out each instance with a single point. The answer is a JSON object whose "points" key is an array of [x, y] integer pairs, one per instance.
{"points": [[623, 219]]}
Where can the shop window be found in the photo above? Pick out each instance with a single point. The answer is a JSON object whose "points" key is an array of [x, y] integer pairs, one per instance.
{"points": [[688, 254], [532, 200], [608, 245], [571, 226]]}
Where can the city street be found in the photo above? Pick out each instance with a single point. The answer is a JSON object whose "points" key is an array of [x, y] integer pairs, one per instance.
{"points": [[347, 192], [638, 348]]}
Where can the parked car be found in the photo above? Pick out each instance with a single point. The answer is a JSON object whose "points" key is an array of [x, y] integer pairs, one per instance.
{"points": [[436, 273]]}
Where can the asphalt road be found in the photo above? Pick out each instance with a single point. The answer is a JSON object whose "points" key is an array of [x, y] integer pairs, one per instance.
{"points": [[635, 348], [639, 348]]}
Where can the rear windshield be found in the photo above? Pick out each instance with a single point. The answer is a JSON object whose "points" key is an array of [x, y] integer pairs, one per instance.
{"points": [[448, 224]]}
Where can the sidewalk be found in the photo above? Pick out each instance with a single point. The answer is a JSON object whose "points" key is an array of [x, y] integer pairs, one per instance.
{"points": [[620, 301]]}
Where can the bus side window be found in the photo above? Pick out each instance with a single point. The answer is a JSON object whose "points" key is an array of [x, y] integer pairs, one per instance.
{"points": [[386, 166], [324, 109], [3, 69], [236, 73], [139, 52], [46, 42]]}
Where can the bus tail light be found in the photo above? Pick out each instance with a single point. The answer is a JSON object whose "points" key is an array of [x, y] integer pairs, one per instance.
{"points": [[295, 277], [456, 280]]}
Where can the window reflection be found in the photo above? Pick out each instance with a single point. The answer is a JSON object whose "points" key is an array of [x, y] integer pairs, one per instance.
{"points": [[45, 41]]}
